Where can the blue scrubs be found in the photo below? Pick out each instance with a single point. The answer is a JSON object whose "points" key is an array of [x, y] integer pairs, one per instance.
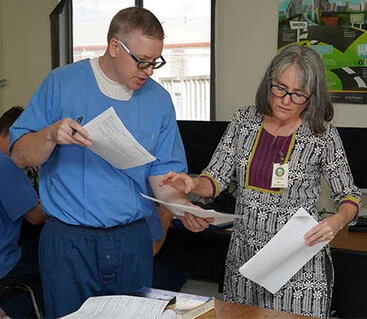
{"points": [[17, 197], [93, 262], [79, 188]]}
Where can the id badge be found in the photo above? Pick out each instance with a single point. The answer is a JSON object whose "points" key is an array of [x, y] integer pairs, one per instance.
{"points": [[279, 178]]}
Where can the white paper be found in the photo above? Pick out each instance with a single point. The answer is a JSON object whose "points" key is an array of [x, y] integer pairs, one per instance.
{"points": [[127, 307], [179, 210], [114, 143], [283, 255]]}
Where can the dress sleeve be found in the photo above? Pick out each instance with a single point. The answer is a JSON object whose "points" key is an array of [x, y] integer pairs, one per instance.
{"points": [[222, 164], [337, 172]]}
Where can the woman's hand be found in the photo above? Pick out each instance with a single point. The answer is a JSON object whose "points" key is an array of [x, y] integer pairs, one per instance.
{"points": [[195, 224], [323, 231], [180, 181]]}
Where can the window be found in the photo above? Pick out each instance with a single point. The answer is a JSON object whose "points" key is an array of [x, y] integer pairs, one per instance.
{"points": [[91, 20], [187, 48]]}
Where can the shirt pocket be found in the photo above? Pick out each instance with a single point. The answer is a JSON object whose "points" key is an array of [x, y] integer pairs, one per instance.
{"points": [[146, 140]]}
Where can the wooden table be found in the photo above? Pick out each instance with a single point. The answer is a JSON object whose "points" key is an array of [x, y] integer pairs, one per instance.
{"points": [[350, 240], [228, 310]]}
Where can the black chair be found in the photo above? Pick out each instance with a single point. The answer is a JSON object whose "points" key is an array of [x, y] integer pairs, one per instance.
{"points": [[9, 287], [349, 293]]}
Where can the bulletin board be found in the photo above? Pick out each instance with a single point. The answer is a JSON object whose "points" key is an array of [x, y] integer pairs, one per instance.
{"points": [[337, 30]]}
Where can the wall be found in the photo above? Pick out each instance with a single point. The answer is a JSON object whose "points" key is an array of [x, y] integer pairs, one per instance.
{"points": [[26, 48], [246, 40]]}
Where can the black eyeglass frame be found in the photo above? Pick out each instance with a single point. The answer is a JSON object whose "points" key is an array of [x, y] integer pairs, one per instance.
{"points": [[142, 65], [291, 94]]}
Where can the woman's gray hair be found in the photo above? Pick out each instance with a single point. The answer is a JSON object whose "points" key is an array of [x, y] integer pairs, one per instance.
{"points": [[312, 77]]}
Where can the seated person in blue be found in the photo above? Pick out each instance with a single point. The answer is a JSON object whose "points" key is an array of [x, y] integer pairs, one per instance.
{"points": [[18, 200], [166, 275]]}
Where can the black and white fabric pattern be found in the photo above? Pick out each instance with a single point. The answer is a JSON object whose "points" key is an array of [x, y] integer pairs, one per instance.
{"points": [[264, 213]]}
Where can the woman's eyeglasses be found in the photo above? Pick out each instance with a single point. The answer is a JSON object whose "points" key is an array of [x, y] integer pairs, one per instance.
{"points": [[296, 98]]}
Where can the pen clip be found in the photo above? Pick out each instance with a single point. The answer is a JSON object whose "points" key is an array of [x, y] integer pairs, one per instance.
{"points": [[80, 118]]}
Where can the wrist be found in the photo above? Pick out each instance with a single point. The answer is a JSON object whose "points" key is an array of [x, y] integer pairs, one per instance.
{"points": [[212, 184], [196, 184], [340, 221], [48, 134]]}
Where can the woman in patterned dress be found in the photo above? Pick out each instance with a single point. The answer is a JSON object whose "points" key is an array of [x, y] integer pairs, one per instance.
{"points": [[289, 125]]}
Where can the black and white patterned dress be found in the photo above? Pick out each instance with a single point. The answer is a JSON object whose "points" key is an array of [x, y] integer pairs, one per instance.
{"points": [[264, 212]]}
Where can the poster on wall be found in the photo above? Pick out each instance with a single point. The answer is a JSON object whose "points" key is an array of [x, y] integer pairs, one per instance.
{"points": [[338, 31]]}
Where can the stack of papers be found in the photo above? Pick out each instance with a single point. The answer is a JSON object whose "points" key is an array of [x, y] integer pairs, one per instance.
{"points": [[128, 307]]}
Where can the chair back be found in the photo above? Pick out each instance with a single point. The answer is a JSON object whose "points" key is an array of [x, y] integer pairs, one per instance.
{"points": [[11, 286]]}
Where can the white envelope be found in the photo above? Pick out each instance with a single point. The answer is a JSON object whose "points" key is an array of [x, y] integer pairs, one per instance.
{"points": [[283, 255]]}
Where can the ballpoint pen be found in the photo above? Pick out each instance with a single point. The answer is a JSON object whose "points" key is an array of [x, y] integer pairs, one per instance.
{"points": [[80, 118]]}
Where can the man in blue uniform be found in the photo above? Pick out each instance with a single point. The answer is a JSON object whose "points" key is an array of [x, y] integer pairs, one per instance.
{"points": [[18, 199], [96, 239]]}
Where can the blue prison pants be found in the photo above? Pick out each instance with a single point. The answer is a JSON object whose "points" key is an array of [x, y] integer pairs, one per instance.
{"points": [[78, 262]]}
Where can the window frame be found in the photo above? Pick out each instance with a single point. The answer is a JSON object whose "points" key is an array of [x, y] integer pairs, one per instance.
{"points": [[61, 27], [61, 23]]}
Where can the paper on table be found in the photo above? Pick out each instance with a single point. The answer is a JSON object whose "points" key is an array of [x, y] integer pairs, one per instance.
{"points": [[283, 255], [179, 210], [122, 307], [114, 143]]}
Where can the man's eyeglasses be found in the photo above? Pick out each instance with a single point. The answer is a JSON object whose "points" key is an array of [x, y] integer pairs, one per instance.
{"points": [[144, 64], [296, 98]]}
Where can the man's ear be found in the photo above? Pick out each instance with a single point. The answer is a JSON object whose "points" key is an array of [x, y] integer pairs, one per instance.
{"points": [[113, 47]]}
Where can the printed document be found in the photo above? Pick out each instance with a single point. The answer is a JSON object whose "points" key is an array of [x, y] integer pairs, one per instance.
{"points": [[121, 306], [114, 143], [179, 210], [283, 255]]}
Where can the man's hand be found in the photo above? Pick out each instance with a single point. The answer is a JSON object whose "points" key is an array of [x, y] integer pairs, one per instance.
{"points": [[61, 132], [195, 224]]}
